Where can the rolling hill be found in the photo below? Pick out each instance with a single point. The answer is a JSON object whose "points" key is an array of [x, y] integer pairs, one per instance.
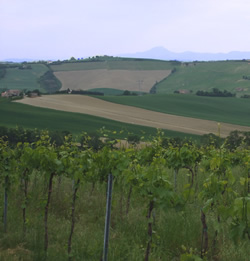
{"points": [[16, 78], [112, 75], [130, 114]]}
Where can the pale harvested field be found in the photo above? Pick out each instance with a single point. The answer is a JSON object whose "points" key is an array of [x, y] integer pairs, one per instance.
{"points": [[128, 114], [116, 79]]}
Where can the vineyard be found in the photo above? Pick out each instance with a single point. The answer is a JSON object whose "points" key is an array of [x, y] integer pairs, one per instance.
{"points": [[168, 203]]}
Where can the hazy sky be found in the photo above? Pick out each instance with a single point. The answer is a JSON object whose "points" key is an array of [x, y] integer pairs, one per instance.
{"points": [[59, 29]]}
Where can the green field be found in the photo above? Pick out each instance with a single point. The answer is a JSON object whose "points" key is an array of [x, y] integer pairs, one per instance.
{"points": [[124, 64], [224, 75], [229, 110], [23, 79], [192, 76], [16, 114], [189, 76]]}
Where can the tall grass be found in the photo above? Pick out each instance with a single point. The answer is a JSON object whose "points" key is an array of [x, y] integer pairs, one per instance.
{"points": [[175, 232]]}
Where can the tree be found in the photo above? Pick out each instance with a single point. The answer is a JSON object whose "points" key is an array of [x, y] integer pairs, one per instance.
{"points": [[126, 92], [234, 140], [133, 139]]}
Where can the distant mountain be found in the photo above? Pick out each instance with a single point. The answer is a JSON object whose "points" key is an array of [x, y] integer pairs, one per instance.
{"points": [[162, 53]]}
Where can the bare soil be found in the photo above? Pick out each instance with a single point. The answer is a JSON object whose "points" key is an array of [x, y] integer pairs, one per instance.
{"points": [[142, 80], [132, 115]]}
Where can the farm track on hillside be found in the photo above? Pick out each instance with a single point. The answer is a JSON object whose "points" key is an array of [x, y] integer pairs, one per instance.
{"points": [[129, 114]]}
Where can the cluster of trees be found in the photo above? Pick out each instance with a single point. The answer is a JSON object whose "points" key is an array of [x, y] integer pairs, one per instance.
{"points": [[97, 58], [25, 66], [21, 66], [19, 134], [128, 93], [246, 77], [233, 141], [247, 96], [216, 93], [68, 91], [153, 89], [103, 58], [29, 93], [49, 82], [2, 71]]}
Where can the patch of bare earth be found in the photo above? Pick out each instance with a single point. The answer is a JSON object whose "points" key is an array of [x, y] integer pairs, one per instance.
{"points": [[132, 115], [141, 80]]}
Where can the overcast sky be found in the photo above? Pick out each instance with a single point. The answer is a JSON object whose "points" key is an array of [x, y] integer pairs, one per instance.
{"points": [[59, 29]]}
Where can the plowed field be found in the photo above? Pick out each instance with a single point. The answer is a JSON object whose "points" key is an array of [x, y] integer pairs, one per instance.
{"points": [[128, 114], [141, 80]]}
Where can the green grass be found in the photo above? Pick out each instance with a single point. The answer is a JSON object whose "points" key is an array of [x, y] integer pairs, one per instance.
{"points": [[127, 64], [229, 110], [16, 114], [79, 66], [194, 76], [224, 75], [23, 79]]}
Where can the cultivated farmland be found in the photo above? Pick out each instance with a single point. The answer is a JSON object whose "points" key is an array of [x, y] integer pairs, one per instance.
{"points": [[138, 80], [132, 115], [118, 73], [228, 110]]}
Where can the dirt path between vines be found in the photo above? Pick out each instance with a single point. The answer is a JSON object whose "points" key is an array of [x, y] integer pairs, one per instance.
{"points": [[132, 115]]}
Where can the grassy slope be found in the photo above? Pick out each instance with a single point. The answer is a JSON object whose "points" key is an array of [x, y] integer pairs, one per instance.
{"points": [[23, 79], [230, 110], [207, 75], [115, 65], [191, 76], [15, 114]]}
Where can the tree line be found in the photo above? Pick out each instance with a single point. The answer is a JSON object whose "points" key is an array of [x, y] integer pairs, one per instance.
{"points": [[216, 93]]}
